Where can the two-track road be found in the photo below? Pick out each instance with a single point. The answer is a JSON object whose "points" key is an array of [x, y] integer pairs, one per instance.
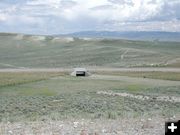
{"points": [[91, 69]]}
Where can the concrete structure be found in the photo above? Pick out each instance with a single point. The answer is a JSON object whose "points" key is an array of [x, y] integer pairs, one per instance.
{"points": [[80, 72]]}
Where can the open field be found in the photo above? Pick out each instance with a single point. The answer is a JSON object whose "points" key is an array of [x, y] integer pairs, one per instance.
{"points": [[76, 104], [13, 78], [174, 76], [26, 51], [134, 87]]}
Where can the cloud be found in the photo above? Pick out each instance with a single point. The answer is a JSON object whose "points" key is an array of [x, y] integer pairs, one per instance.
{"points": [[103, 7], [3, 17], [173, 25], [122, 2], [62, 16], [67, 4]]}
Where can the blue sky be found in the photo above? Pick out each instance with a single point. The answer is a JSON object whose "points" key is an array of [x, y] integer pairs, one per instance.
{"points": [[65, 16]]}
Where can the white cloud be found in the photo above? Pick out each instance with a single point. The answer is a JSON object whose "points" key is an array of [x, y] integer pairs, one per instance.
{"points": [[173, 26], [139, 10], [77, 15], [6, 12], [3, 17]]}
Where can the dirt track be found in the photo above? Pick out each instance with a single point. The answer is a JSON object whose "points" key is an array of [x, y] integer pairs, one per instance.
{"points": [[90, 69]]}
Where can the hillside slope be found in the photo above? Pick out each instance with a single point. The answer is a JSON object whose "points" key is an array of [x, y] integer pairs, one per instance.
{"points": [[28, 51]]}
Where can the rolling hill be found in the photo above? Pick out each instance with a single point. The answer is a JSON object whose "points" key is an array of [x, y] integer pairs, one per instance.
{"points": [[35, 51]]}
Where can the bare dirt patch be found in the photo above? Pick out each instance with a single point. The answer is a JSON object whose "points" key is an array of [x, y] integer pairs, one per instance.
{"points": [[143, 97], [130, 126]]}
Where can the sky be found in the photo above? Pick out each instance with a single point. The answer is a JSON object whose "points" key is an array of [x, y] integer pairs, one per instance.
{"points": [[66, 16]]}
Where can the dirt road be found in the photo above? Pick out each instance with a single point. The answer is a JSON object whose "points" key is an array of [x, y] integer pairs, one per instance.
{"points": [[90, 69]]}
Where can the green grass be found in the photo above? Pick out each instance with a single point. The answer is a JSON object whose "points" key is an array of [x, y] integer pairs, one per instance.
{"points": [[39, 92], [173, 76], [64, 97], [56, 96], [13, 79], [27, 52], [135, 87]]}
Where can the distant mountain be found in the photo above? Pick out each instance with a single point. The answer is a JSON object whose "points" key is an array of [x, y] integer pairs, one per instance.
{"points": [[133, 35]]}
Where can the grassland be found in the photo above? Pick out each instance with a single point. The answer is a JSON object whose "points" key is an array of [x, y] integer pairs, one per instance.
{"points": [[17, 51], [174, 76], [53, 97], [57, 96], [13, 79]]}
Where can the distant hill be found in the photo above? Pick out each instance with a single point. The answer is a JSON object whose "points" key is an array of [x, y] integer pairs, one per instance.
{"points": [[38, 51], [133, 35]]}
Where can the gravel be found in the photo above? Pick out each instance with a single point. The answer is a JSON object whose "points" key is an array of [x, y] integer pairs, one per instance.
{"points": [[124, 126]]}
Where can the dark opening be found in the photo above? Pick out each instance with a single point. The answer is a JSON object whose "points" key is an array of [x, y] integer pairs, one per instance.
{"points": [[80, 74]]}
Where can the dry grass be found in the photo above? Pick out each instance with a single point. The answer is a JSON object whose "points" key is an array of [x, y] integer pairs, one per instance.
{"points": [[174, 64], [45, 53], [12, 78], [174, 76], [59, 97]]}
